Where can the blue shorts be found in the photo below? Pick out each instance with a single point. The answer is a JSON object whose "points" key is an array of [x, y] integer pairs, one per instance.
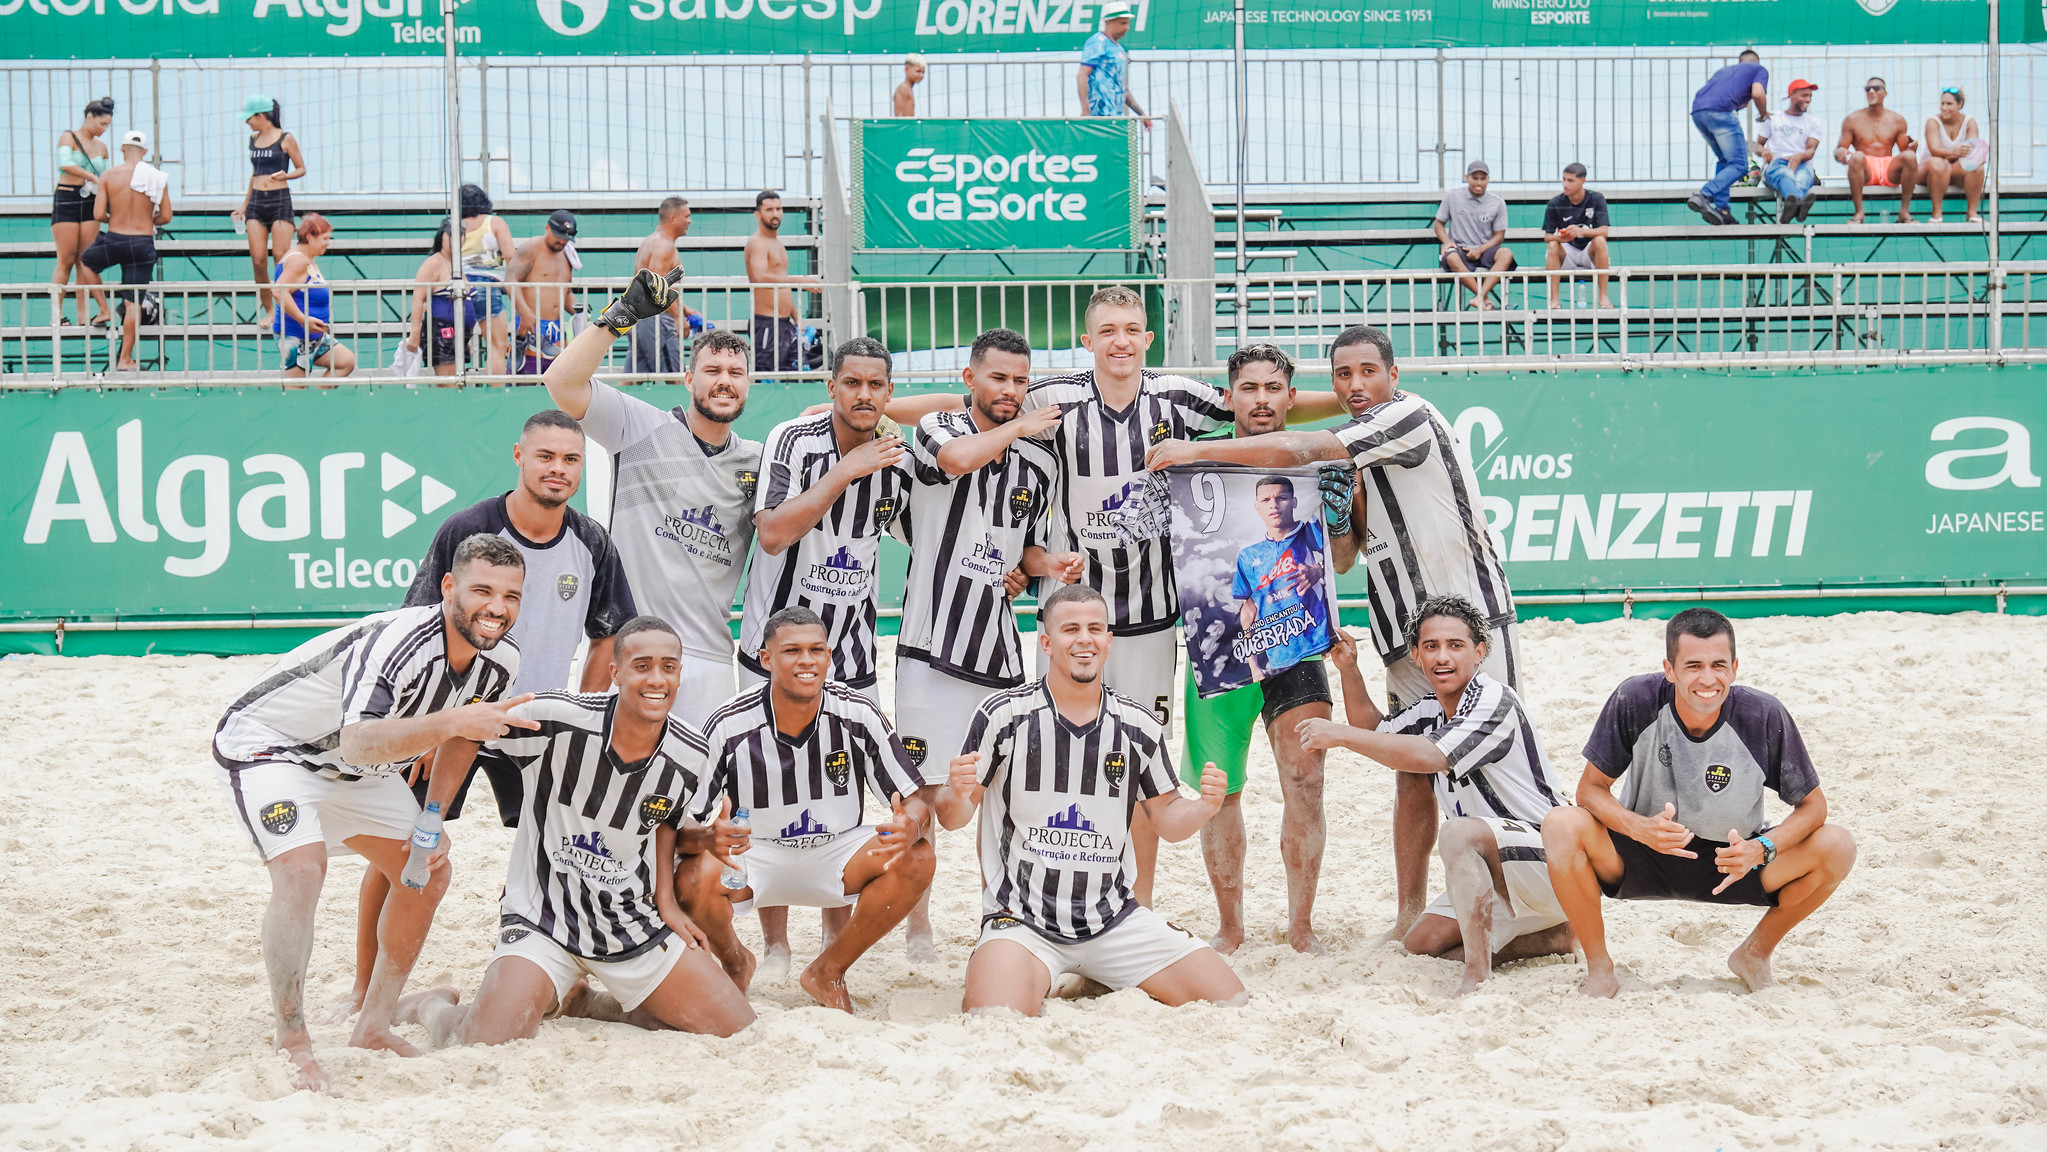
{"points": [[538, 343], [489, 301]]}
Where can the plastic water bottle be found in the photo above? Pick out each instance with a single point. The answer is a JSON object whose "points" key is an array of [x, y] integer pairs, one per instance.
{"points": [[733, 876], [426, 836]]}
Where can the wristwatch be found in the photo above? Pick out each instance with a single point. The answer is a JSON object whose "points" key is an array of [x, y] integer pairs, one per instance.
{"points": [[1769, 850]]}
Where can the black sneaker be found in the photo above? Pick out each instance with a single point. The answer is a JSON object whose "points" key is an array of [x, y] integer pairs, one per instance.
{"points": [[1805, 205], [1698, 203], [1716, 215]]}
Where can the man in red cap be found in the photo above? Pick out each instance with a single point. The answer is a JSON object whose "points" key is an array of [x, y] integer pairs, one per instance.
{"points": [[1788, 142]]}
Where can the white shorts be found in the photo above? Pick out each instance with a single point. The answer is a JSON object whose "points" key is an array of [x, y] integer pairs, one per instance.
{"points": [[1405, 684], [284, 806], [783, 876], [1526, 871], [1143, 945], [706, 685], [1143, 668], [1577, 258], [933, 711], [631, 980]]}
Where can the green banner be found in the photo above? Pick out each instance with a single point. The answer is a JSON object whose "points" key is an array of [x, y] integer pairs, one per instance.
{"points": [[996, 184], [135, 29], [232, 502]]}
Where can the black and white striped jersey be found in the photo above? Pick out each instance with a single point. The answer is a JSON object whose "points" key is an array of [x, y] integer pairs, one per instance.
{"points": [[1497, 767], [831, 570], [1425, 526], [971, 531], [805, 789], [582, 866], [1101, 459], [1055, 819], [393, 665]]}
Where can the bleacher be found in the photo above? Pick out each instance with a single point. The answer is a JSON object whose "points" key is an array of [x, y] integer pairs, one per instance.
{"points": [[1317, 263]]}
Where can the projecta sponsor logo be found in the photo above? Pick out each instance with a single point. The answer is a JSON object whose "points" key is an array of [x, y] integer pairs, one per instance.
{"points": [[1016, 17], [279, 818], [1718, 776], [1070, 835], [986, 561], [197, 501], [1105, 516], [839, 576], [700, 533], [1029, 186], [805, 832], [588, 856]]}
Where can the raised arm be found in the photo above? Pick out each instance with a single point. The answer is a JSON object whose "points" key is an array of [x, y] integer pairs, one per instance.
{"points": [[1358, 706]]}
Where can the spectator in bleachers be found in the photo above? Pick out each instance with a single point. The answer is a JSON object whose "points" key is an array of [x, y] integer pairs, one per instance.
{"points": [[904, 103], [274, 160], [134, 201], [1877, 148], [486, 247], [1952, 146], [1104, 80], [1471, 224], [1716, 112], [539, 329], [1788, 142], [1575, 225], [305, 315], [656, 342], [430, 329], [81, 157], [778, 341]]}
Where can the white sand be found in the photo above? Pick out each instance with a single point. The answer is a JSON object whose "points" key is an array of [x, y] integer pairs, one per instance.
{"points": [[1913, 1012]]}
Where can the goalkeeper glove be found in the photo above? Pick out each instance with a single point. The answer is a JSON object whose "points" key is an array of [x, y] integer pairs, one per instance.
{"points": [[648, 295], [1336, 484]]}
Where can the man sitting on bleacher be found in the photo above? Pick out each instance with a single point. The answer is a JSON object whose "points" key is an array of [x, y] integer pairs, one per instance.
{"points": [[1472, 224], [1575, 226]]}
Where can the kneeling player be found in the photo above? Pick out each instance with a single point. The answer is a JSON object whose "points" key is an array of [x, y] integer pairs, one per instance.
{"points": [[1064, 764], [798, 751], [1698, 750], [1473, 741], [587, 889]]}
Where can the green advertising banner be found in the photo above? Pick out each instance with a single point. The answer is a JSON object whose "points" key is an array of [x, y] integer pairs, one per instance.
{"points": [[236, 502], [136, 29], [997, 184]]}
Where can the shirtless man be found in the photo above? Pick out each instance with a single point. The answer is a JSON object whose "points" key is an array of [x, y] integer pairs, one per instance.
{"points": [[549, 258], [1877, 146], [134, 201], [656, 342], [601, 841], [777, 326], [905, 99]]}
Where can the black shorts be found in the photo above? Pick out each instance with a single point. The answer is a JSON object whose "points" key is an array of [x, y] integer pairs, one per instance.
{"points": [[68, 206], [135, 254], [505, 783], [1304, 683], [267, 208], [1647, 874], [778, 344], [1485, 261], [437, 338]]}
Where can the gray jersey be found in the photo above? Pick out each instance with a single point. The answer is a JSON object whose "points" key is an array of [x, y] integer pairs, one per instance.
{"points": [[682, 520], [1717, 780]]}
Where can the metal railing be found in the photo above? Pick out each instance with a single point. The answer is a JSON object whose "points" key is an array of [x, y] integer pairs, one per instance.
{"points": [[1684, 315], [1387, 119]]}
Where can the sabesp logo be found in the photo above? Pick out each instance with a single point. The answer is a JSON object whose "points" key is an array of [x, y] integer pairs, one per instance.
{"points": [[589, 12], [2015, 453]]}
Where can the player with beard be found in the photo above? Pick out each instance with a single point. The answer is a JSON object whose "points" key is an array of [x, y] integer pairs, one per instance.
{"points": [[683, 485], [1418, 523], [589, 887], [1064, 764], [312, 756]]}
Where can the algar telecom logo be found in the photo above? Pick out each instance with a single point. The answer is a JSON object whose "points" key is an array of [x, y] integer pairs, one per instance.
{"points": [[194, 502]]}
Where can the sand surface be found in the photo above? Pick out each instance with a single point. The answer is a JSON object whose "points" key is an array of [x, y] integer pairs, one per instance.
{"points": [[1912, 1013]]}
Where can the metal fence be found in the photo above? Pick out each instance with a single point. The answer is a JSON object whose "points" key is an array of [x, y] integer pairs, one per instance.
{"points": [[1386, 120], [1723, 316]]}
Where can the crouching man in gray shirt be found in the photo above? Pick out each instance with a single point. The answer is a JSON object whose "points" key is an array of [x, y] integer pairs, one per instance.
{"points": [[1698, 750]]}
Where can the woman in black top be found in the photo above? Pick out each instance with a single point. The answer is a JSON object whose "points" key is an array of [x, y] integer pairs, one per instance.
{"points": [[266, 209], [81, 157]]}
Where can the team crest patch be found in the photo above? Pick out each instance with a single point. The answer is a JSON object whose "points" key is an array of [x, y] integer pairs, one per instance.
{"points": [[655, 809], [513, 935], [1663, 756], [839, 767], [748, 480], [1718, 777], [1002, 920], [566, 584], [1161, 431], [280, 818], [917, 749], [1112, 767], [1020, 501], [884, 511]]}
